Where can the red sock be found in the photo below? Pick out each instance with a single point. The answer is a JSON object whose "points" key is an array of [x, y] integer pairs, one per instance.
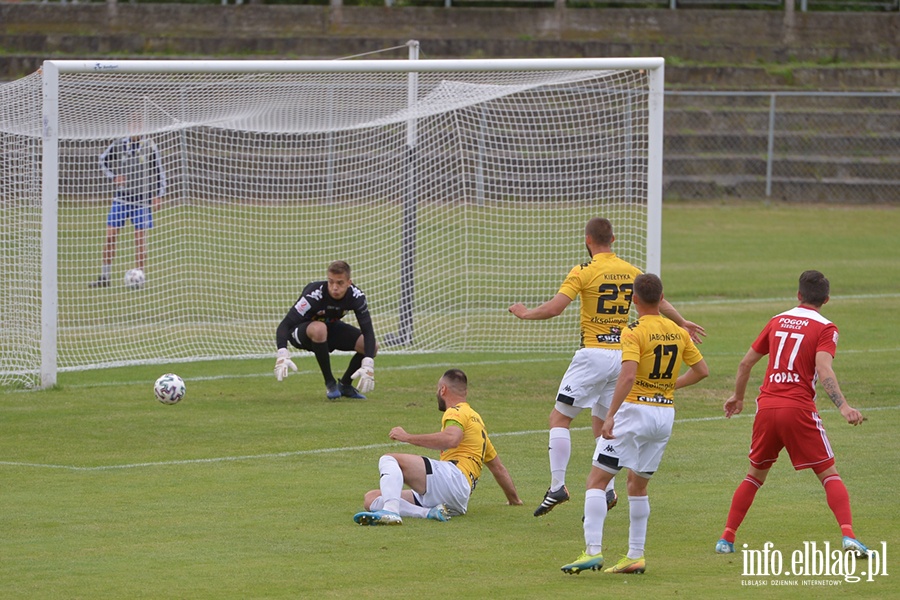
{"points": [[839, 503], [740, 504]]}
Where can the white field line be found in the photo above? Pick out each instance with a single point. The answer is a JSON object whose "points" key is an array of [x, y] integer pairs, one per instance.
{"points": [[785, 302], [549, 356], [220, 459], [315, 371]]}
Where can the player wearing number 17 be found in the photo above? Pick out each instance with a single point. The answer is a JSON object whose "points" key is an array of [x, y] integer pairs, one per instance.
{"points": [[801, 344], [604, 285]]}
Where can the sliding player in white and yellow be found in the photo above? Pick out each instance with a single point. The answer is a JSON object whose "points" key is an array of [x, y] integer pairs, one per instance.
{"points": [[438, 488]]}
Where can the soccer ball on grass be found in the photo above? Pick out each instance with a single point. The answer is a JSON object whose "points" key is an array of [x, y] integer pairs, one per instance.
{"points": [[169, 388], [134, 279]]}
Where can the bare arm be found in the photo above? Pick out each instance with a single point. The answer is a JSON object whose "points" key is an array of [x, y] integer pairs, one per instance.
{"points": [[735, 404], [828, 380], [697, 372], [504, 480], [549, 309], [450, 437], [694, 330]]}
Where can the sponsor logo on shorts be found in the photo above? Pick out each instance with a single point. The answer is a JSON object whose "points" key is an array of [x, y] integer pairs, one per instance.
{"points": [[657, 399]]}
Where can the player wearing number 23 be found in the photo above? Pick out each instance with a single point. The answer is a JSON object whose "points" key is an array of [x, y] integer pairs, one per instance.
{"points": [[605, 285]]}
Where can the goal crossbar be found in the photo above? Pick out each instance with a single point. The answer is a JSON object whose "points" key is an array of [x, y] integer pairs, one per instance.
{"points": [[355, 66]]}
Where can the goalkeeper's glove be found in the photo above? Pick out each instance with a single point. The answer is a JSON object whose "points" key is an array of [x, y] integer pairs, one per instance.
{"points": [[366, 375], [283, 362]]}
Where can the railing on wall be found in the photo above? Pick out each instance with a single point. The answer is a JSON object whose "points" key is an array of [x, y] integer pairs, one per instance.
{"points": [[797, 146]]}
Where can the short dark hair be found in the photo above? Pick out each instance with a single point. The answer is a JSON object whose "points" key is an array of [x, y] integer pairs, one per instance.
{"points": [[814, 288], [600, 230], [456, 380], [339, 267], [649, 288]]}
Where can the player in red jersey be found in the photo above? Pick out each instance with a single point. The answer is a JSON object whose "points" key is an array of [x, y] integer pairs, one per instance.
{"points": [[801, 345]]}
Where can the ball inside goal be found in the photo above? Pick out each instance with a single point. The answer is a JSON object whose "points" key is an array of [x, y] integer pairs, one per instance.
{"points": [[169, 388], [134, 279]]}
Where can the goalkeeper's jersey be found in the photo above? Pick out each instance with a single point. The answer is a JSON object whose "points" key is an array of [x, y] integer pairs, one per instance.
{"points": [[605, 285], [316, 304], [475, 448]]}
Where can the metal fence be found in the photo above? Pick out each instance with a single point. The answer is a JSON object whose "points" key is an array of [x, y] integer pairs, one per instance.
{"points": [[797, 146]]}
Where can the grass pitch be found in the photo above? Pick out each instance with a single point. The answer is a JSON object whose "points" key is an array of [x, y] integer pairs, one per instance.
{"points": [[247, 488]]}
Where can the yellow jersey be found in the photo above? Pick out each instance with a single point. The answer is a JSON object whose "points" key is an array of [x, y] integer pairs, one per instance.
{"points": [[475, 448], [658, 346], [605, 285]]}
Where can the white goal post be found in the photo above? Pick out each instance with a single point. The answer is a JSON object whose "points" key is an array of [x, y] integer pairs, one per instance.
{"points": [[453, 188]]}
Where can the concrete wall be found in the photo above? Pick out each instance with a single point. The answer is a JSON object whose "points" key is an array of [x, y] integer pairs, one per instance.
{"points": [[701, 27], [727, 49]]}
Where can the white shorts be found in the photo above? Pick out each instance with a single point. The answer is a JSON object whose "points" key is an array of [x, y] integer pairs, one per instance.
{"points": [[642, 433], [444, 483], [589, 382]]}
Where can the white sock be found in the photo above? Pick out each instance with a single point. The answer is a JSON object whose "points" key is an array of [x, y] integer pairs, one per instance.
{"points": [[594, 517], [408, 509], [638, 515], [391, 482], [560, 451], [105, 271]]}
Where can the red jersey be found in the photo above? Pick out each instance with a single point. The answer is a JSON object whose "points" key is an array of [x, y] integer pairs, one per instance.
{"points": [[792, 340]]}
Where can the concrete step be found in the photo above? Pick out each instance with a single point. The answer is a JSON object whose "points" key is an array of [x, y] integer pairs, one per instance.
{"points": [[819, 167], [887, 100], [743, 77], [334, 46], [790, 189], [816, 121], [800, 144]]}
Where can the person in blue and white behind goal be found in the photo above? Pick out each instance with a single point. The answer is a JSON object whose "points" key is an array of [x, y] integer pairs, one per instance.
{"points": [[314, 323], [135, 166]]}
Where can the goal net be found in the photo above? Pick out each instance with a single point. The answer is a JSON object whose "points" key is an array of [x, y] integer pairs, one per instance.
{"points": [[452, 188]]}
